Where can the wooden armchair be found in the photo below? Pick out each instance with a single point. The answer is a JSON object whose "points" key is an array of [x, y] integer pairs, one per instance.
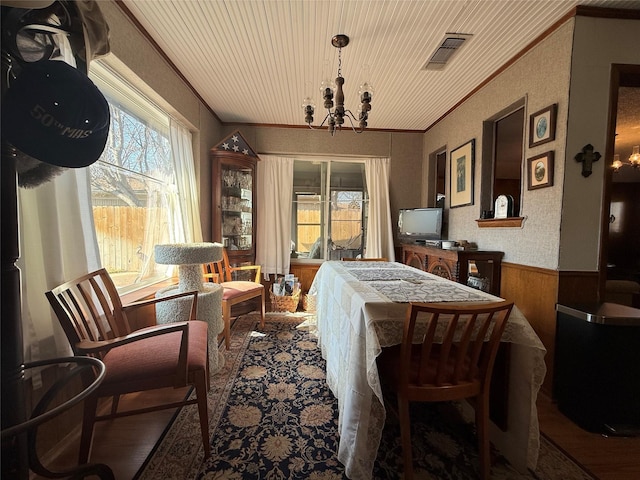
{"points": [[457, 366], [172, 355], [234, 291]]}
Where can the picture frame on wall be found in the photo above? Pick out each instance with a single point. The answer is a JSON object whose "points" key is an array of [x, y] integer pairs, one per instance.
{"points": [[540, 171], [542, 126], [461, 165]]}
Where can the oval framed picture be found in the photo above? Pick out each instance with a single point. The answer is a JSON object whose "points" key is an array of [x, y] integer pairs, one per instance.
{"points": [[540, 171], [542, 126]]}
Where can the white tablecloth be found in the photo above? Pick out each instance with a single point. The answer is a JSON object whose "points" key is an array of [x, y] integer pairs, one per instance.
{"points": [[361, 308]]}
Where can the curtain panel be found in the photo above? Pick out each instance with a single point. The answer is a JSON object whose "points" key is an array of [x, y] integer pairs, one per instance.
{"points": [[57, 243], [380, 228], [182, 155], [274, 190]]}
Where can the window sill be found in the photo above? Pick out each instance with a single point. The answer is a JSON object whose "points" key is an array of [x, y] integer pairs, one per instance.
{"points": [[146, 292], [500, 222]]}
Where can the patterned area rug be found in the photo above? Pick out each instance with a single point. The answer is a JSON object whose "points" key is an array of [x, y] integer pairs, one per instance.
{"points": [[273, 417]]}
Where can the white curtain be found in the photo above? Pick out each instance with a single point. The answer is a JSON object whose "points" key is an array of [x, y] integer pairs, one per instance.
{"points": [[379, 228], [274, 192], [57, 242], [182, 154]]}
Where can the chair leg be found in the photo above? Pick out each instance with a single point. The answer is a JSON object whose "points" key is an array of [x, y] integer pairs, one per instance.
{"points": [[226, 316], [88, 422], [405, 437], [262, 300], [200, 382], [115, 401], [482, 428]]}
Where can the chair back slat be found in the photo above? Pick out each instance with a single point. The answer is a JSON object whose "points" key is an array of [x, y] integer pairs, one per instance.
{"points": [[451, 344], [224, 269], [221, 271], [89, 308]]}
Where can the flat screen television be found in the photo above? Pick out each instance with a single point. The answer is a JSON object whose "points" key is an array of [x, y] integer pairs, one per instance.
{"points": [[416, 224]]}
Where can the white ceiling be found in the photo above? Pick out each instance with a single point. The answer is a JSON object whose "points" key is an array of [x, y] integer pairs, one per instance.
{"points": [[254, 61]]}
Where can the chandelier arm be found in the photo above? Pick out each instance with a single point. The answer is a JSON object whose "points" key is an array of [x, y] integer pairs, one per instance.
{"points": [[322, 124], [351, 116]]}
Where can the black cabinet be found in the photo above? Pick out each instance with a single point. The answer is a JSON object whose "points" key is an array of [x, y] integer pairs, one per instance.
{"points": [[597, 367]]}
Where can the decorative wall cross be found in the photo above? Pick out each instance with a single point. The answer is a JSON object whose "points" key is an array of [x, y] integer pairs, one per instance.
{"points": [[587, 156]]}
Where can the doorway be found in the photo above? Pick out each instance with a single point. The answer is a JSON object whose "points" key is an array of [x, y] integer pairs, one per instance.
{"points": [[620, 246]]}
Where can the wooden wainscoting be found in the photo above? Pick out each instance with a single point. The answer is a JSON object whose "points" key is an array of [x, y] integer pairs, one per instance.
{"points": [[536, 291], [305, 272]]}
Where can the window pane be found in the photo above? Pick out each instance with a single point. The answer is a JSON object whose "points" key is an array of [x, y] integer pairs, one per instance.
{"points": [[133, 188], [308, 213], [333, 212], [346, 219]]}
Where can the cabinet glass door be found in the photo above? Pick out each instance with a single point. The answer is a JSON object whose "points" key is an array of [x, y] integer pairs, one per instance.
{"points": [[237, 208]]}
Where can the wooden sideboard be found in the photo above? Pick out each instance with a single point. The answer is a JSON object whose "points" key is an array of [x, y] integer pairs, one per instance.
{"points": [[476, 268]]}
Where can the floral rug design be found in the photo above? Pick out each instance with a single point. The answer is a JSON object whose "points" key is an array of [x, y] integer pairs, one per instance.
{"points": [[273, 417]]}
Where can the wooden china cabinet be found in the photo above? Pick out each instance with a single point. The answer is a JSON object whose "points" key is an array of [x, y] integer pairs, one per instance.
{"points": [[234, 199]]}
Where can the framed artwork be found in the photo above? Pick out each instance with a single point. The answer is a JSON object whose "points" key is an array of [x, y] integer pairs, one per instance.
{"points": [[540, 171], [542, 126], [461, 163]]}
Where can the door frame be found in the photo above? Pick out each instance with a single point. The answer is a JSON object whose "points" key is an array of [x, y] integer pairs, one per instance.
{"points": [[622, 75]]}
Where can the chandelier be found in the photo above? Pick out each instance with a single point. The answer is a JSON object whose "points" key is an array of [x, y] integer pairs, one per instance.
{"points": [[634, 159], [335, 118]]}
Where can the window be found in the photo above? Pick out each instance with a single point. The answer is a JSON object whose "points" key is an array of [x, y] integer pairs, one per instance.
{"points": [[502, 154], [133, 185], [328, 217]]}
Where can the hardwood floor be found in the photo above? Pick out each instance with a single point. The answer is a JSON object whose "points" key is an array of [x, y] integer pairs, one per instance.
{"points": [[608, 458], [125, 443]]}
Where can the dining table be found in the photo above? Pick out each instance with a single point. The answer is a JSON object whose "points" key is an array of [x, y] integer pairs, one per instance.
{"points": [[361, 308]]}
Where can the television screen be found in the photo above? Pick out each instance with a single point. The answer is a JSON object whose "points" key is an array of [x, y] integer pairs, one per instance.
{"points": [[420, 224]]}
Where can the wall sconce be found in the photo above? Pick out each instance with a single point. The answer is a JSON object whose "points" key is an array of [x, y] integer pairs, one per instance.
{"points": [[634, 160], [587, 156]]}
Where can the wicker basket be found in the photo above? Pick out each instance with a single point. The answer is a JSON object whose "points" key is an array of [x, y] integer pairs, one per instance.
{"points": [[309, 302], [285, 303]]}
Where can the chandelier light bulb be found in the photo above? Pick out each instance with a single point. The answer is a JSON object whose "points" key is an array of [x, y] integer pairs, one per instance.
{"points": [[635, 156], [327, 87], [616, 162], [365, 92], [309, 109]]}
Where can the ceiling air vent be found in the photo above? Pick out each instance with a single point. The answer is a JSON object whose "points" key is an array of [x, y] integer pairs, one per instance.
{"points": [[450, 45]]}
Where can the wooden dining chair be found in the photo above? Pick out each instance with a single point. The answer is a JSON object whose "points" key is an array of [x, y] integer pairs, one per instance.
{"points": [[234, 291], [452, 359], [378, 259], [160, 356]]}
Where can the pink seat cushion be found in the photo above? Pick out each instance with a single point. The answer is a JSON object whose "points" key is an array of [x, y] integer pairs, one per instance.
{"points": [[233, 289], [155, 357]]}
